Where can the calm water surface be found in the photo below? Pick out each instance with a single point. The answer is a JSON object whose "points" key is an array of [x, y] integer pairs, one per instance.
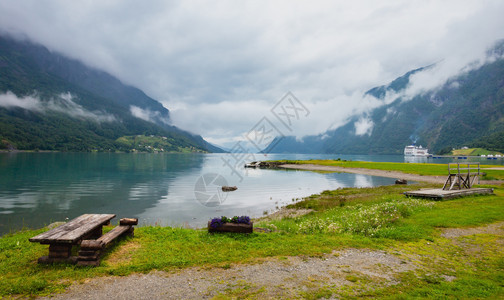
{"points": [[167, 189]]}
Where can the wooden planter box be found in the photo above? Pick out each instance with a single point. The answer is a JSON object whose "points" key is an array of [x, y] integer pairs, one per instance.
{"points": [[233, 227]]}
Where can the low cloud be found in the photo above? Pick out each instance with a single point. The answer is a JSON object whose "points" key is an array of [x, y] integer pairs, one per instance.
{"points": [[364, 126], [148, 115], [9, 100], [390, 111], [64, 104], [224, 123]]}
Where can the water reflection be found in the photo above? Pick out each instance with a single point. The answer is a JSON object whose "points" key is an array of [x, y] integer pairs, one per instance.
{"points": [[363, 181], [417, 159], [39, 188]]}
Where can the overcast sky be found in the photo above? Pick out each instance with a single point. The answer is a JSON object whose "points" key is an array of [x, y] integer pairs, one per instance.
{"points": [[221, 66]]}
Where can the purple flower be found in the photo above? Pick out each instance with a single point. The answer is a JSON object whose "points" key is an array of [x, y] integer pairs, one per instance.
{"points": [[217, 222], [244, 219]]}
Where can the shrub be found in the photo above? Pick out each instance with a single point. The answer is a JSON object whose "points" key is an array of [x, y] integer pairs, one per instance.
{"points": [[366, 220]]}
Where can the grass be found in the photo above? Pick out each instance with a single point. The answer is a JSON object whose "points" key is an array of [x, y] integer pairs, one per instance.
{"points": [[473, 152], [453, 271], [463, 212], [372, 218]]}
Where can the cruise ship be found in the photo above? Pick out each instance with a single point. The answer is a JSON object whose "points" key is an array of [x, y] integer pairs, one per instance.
{"points": [[413, 150]]}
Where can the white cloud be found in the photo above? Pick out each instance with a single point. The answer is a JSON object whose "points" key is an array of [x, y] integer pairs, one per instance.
{"points": [[65, 104], [224, 123], [62, 104], [147, 114], [364, 126], [9, 100], [454, 85], [390, 111], [207, 61]]}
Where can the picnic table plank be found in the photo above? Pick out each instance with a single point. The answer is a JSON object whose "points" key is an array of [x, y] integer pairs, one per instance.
{"points": [[113, 234], [56, 233], [74, 230]]}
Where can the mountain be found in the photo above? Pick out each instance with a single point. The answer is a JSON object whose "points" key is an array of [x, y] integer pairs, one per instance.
{"points": [[467, 110], [51, 102], [94, 81]]}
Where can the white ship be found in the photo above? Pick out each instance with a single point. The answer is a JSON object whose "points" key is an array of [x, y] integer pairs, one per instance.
{"points": [[413, 150]]}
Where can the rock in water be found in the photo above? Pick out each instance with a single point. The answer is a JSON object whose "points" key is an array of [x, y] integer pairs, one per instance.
{"points": [[229, 188]]}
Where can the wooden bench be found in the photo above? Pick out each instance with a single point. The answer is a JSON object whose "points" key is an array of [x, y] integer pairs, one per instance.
{"points": [[89, 253], [85, 227]]}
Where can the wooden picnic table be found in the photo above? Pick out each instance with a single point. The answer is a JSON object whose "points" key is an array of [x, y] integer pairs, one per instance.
{"points": [[62, 238]]}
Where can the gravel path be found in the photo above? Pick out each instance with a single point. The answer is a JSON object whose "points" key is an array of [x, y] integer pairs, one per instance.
{"points": [[383, 173], [495, 228], [284, 277]]}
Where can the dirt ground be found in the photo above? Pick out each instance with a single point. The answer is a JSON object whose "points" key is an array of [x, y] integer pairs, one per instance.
{"points": [[283, 277]]}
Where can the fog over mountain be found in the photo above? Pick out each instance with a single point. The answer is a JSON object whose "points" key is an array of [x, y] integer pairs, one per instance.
{"points": [[467, 110]]}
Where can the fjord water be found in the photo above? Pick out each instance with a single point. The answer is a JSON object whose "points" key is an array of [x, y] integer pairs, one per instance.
{"points": [[39, 188]]}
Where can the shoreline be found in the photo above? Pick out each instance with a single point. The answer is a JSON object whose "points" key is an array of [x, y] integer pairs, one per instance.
{"points": [[374, 172]]}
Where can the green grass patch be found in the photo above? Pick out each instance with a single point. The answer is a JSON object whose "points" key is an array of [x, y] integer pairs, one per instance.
{"points": [[344, 196], [473, 152], [368, 220], [467, 267], [463, 212]]}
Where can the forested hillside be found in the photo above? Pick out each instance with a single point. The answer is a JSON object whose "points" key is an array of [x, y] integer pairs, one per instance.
{"points": [[50, 102]]}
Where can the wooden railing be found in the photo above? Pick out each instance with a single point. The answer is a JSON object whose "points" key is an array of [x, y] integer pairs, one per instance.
{"points": [[462, 176]]}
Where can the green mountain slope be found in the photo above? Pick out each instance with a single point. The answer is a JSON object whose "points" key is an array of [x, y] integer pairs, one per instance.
{"points": [[50, 102]]}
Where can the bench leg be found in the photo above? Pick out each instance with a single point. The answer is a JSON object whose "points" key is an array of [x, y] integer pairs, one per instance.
{"points": [[58, 253], [88, 258], [89, 253], [60, 250], [131, 232]]}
